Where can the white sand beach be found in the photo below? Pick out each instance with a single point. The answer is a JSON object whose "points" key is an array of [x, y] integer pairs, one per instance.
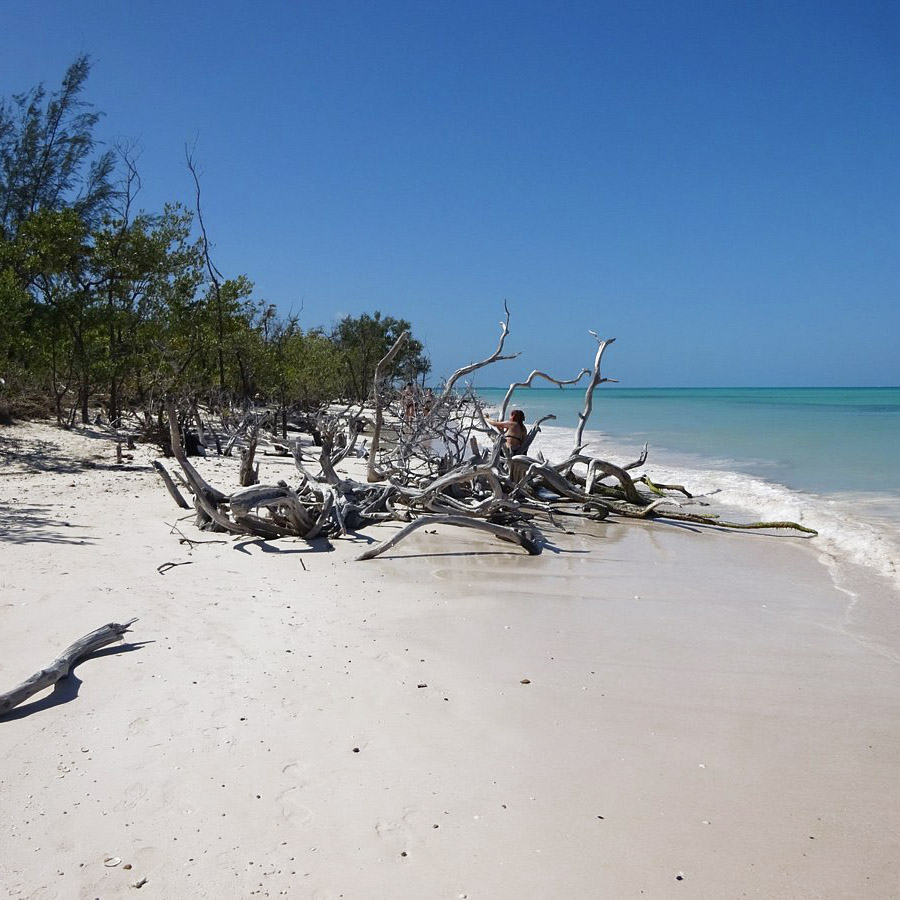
{"points": [[644, 711]]}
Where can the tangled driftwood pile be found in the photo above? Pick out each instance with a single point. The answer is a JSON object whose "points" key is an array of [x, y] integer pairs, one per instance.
{"points": [[429, 470]]}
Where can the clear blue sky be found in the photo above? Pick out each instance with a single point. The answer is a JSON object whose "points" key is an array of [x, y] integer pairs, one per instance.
{"points": [[715, 184]]}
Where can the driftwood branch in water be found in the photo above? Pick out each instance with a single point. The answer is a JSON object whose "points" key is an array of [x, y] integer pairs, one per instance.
{"points": [[504, 532], [660, 488], [713, 520], [62, 665]]}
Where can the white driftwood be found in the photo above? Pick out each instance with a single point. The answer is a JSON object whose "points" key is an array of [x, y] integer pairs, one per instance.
{"points": [[472, 367], [553, 480], [503, 532], [171, 487], [467, 473], [640, 460], [243, 425], [372, 472], [530, 378], [534, 431], [206, 495], [62, 665], [249, 474], [608, 469], [596, 379], [431, 473], [278, 498], [193, 476]]}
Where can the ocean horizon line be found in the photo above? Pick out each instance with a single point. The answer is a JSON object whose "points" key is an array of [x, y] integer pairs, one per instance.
{"points": [[690, 387]]}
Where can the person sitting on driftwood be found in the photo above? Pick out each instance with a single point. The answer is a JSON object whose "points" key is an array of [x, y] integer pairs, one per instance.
{"points": [[515, 430]]}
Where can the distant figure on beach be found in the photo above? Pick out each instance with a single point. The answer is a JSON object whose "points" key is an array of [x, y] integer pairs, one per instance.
{"points": [[514, 428], [409, 401]]}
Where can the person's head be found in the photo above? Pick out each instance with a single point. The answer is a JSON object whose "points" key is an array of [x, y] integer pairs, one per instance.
{"points": [[517, 416]]}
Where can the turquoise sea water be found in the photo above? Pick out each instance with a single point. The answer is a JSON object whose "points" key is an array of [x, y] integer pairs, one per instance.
{"points": [[821, 439], [828, 457]]}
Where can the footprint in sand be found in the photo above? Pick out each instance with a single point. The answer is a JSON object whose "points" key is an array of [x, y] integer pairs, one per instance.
{"points": [[398, 833], [396, 664], [440, 574], [132, 796], [290, 800], [137, 726]]}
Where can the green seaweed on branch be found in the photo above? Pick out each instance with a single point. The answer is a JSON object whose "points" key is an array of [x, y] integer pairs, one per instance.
{"points": [[714, 520]]}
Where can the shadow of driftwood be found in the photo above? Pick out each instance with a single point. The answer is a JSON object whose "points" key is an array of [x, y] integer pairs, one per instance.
{"points": [[33, 524], [66, 689], [512, 552], [268, 546], [560, 551]]}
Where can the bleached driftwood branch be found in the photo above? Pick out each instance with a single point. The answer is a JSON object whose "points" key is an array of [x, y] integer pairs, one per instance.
{"points": [[514, 535], [496, 356], [171, 487], [62, 665], [372, 472], [596, 379], [531, 377]]}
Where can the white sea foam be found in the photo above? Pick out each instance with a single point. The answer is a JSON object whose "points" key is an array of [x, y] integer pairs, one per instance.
{"points": [[854, 528]]}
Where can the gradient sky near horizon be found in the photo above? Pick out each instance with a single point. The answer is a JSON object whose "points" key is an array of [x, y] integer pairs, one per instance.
{"points": [[715, 184]]}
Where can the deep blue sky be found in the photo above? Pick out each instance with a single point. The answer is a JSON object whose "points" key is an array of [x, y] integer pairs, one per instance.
{"points": [[715, 184]]}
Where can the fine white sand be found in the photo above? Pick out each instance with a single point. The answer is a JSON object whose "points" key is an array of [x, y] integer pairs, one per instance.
{"points": [[705, 715]]}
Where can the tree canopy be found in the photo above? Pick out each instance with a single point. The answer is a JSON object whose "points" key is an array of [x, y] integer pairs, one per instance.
{"points": [[106, 304], [47, 154], [364, 340]]}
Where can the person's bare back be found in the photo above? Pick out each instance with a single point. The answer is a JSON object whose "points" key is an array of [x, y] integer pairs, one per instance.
{"points": [[514, 429]]}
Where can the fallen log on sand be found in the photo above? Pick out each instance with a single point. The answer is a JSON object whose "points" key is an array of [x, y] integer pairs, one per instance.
{"points": [[63, 664]]}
